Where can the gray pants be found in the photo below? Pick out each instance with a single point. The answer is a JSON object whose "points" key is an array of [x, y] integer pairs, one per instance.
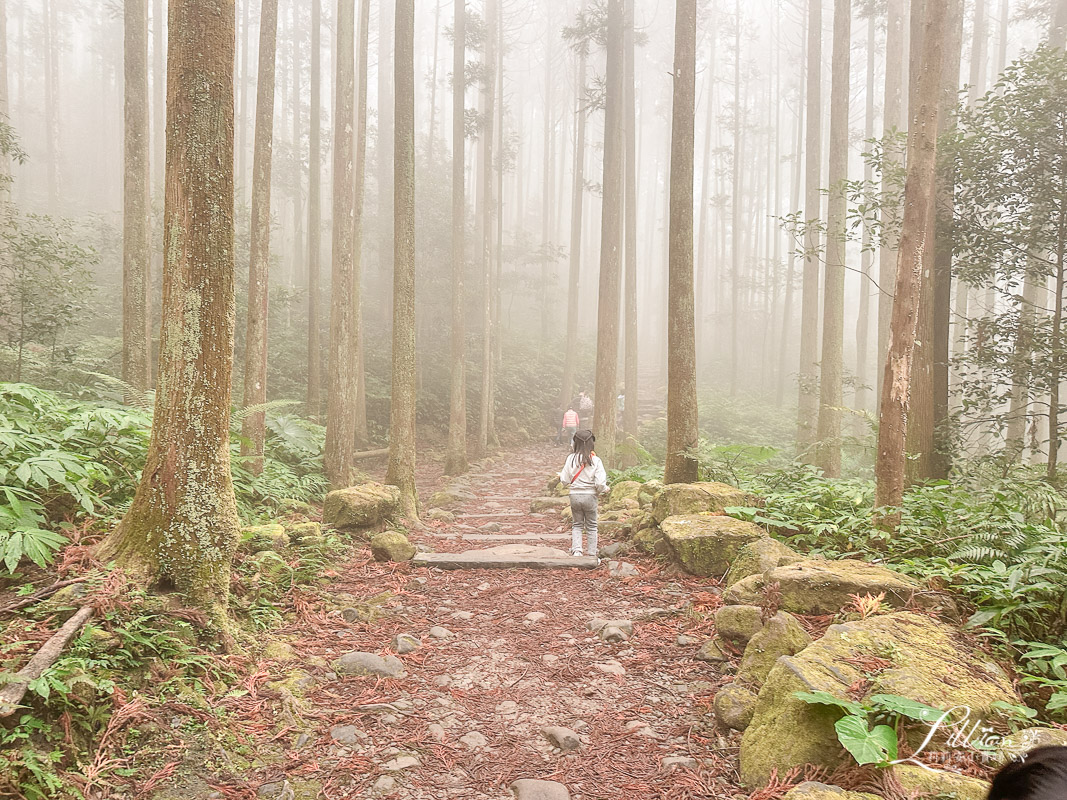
{"points": [[583, 511]]}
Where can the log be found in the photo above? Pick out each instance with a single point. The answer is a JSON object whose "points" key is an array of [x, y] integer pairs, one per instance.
{"points": [[12, 693], [371, 454]]}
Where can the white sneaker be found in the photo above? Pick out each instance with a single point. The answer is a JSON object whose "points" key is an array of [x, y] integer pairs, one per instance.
{"points": [[576, 553]]}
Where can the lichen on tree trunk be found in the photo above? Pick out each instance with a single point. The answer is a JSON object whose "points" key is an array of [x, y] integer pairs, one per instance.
{"points": [[182, 527]]}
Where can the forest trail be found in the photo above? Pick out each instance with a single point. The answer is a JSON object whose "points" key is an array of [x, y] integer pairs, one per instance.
{"points": [[504, 654]]}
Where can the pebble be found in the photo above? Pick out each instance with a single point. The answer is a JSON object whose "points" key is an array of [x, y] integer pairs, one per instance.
{"points": [[437, 632], [535, 616], [463, 615], [550, 658], [405, 643], [442, 680], [673, 762], [347, 735], [401, 763], [611, 667], [474, 740], [563, 738], [483, 587], [507, 706], [527, 789], [358, 663], [350, 614], [386, 783], [436, 731], [301, 741], [622, 569], [491, 527], [685, 640], [279, 790]]}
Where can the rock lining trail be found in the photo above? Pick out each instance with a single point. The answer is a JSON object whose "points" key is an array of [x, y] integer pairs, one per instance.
{"points": [[513, 656]]}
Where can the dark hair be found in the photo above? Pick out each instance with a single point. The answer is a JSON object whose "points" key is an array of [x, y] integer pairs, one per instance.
{"points": [[583, 446], [1040, 775]]}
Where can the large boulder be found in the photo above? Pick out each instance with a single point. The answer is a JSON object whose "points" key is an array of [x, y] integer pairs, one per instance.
{"points": [[705, 545], [738, 624], [540, 504], [391, 546], [781, 636], [623, 495], [826, 586], [362, 506], [647, 493], [812, 790], [924, 782], [746, 592], [677, 499], [759, 557], [264, 537], [1015, 746], [923, 660]]}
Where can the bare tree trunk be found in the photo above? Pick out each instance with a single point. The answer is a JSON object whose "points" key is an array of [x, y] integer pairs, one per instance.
{"points": [[182, 526], [242, 92], [433, 82], [892, 119], [682, 431], [863, 321], [456, 460], [498, 206], [159, 98], [314, 398], [51, 103], [1057, 342], [703, 250], [486, 174], [735, 216], [631, 398], [575, 252], [296, 267], [386, 9], [1057, 35], [548, 191], [344, 290], [357, 246], [607, 350], [402, 408], [808, 377], [833, 325], [916, 233], [253, 426], [136, 230]]}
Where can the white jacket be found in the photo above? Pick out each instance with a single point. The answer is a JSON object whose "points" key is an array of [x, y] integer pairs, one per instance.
{"points": [[591, 480]]}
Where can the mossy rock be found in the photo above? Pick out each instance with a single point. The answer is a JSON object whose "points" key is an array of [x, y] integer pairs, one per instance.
{"points": [[781, 636], [264, 537], [820, 586], [734, 705], [647, 493], [360, 507], [928, 661], [542, 504], [711, 651], [391, 546], [738, 624], [759, 557], [650, 540], [451, 496], [811, 790], [277, 650], [705, 545], [678, 499], [1018, 744], [746, 592], [623, 495], [296, 683], [299, 532], [921, 782], [615, 528]]}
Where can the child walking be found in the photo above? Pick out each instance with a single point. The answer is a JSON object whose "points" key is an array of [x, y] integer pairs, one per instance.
{"points": [[584, 474]]}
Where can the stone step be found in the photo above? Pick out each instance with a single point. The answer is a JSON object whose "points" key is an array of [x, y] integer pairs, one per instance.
{"points": [[503, 537], [510, 556], [487, 514]]}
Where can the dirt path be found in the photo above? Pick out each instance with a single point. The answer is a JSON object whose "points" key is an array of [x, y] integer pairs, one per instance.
{"points": [[467, 717]]}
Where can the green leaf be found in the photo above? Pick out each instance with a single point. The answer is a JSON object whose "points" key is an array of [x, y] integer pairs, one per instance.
{"points": [[867, 746], [912, 709], [827, 699]]}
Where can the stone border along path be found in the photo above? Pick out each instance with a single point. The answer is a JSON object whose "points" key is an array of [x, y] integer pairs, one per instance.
{"points": [[573, 683]]}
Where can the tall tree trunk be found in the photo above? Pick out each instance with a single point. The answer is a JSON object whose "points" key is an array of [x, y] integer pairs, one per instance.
{"points": [[1057, 34], [808, 374], [159, 98], [863, 320], [735, 216], [833, 324], [242, 93], [51, 103], [433, 82], [703, 248], [892, 119], [253, 427], [314, 389], [402, 408], [631, 399], [916, 234], [357, 246], [456, 460], [498, 206], [386, 10], [1056, 377], [182, 527], [548, 190], [344, 289], [682, 431], [296, 266], [607, 346], [485, 171], [574, 257], [136, 230]]}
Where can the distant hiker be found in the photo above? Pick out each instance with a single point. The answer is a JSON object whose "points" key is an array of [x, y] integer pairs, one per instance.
{"points": [[585, 405], [1039, 775], [584, 474], [569, 427]]}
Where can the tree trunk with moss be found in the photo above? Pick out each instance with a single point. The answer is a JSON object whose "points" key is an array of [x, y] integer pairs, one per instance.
{"points": [[607, 346], [253, 427], [402, 408], [182, 528], [682, 430], [344, 290], [456, 460], [136, 187]]}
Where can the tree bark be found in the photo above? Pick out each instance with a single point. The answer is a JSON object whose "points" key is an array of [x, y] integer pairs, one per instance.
{"points": [[402, 408], [136, 229], [863, 320], [703, 255], [314, 390], [51, 103], [916, 236], [344, 290], [159, 100], [485, 417], [607, 350], [735, 215], [253, 427], [682, 431], [181, 529], [456, 460], [892, 119], [833, 325], [548, 190], [386, 11], [808, 373], [574, 258], [631, 399]]}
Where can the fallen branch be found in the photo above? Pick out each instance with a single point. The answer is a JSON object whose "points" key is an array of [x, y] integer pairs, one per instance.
{"points": [[371, 454], [11, 695], [40, 594]]}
